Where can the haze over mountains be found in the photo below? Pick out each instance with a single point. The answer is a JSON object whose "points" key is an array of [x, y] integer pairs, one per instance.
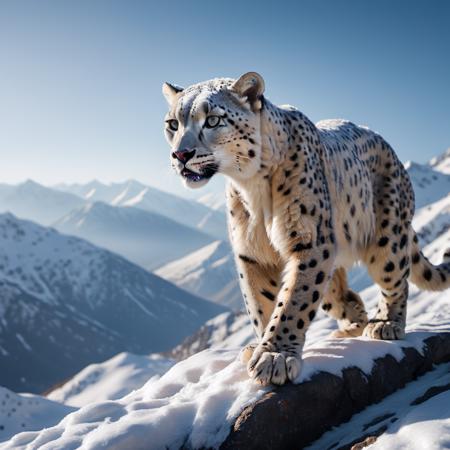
{"points": [[143, 224], [65, 303]]}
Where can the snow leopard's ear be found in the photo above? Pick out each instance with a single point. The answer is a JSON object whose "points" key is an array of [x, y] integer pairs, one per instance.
{"points": [[250, 85], [170, 91]]}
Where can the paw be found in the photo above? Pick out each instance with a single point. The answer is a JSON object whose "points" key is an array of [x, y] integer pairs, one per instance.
{"points": [[247, 352], [389, 330], [353, 330], [267, 366]]}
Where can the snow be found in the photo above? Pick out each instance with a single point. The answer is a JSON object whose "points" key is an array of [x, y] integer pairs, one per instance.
{"points": [[441, 163], [19, 412], [111, 379]]}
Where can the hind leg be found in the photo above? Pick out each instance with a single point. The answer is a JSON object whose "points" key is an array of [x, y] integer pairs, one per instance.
{"points": [[388, 264], [345, 306]]}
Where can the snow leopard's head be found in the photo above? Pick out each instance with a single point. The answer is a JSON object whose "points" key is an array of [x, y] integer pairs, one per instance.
{"points": [[214, 127]]}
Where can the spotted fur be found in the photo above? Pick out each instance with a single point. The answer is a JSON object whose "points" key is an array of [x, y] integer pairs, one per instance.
{"points": [[305, 202]]}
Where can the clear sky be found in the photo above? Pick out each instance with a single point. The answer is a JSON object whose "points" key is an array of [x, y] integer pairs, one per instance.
{"points": [[80, 81]]}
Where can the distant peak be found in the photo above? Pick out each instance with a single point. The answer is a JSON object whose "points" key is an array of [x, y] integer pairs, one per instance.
{"points": [[440, 158]]}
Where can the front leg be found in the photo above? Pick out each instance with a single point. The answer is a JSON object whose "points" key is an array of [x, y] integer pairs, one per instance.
{"points": [[257, 264], [278, 356]]}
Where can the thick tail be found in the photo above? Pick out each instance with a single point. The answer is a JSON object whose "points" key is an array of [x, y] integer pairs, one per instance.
{"points": [[426, 275]]}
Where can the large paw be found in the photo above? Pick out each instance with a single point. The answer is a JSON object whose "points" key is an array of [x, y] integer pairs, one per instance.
{"points": [[389, 330], [267, 366], [353, 330]]}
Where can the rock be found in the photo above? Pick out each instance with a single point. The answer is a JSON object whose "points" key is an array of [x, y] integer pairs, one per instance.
{"points": [[293, 416]]}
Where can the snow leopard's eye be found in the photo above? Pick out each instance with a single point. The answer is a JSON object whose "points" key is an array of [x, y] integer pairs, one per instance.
{"points": [[212, 121], [172, 124]]}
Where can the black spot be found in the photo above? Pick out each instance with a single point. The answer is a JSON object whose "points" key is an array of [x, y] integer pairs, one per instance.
{"points": [[251, 153], [403, 240], [383, 241], [300, 246], [427, 274], [312, 314], [389, 267], [247, 259], [313, 263], [300, 324], [315, 296], [304, 306], [320, 277], [415, 258], [268, 294]]}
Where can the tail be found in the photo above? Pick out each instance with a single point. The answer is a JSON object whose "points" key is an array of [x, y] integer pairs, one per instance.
{"points": [[424, 274]]}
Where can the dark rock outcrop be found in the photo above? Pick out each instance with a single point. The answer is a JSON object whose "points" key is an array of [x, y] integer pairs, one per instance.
{"points": [[294, 416]]}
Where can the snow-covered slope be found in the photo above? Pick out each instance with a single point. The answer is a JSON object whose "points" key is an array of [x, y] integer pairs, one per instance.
{"points": [[30, 200], [22, 412], [429, 184], [143, 237], [111, 379], [441, 163], [209, 272], [63, 296], [213, 200], [132, 193]]}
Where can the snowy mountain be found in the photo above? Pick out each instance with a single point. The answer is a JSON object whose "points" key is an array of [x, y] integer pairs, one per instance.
{"points": [[441, 163], [429, 184], [32, 201], [143, 237], [132, 193], [111, 379], [213, 200], [209, 272], [65, 303]]}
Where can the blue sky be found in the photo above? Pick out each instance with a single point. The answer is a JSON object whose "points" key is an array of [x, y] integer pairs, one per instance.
{"points": [[80, 81]]}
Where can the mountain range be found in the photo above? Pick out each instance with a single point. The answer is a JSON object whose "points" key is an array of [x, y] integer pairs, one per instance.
{"points": [[65, 303]]}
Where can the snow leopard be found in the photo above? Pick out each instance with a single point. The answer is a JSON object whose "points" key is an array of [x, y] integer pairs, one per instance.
{"points": [[305, 202]]}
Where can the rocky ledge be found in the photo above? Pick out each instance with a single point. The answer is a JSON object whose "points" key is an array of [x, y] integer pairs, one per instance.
{"points": [[294, 416]]}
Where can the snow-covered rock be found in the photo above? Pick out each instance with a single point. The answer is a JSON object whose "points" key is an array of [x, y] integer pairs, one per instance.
{"points": [[60, 295], [143, 237], [196, 402], [413, 418], [209, 272]]}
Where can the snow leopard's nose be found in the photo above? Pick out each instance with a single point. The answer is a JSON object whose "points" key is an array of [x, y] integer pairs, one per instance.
{"points": [[183, 155]]}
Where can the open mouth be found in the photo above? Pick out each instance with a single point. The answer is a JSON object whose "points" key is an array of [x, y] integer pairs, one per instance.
{"points": [[207, 172]]}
